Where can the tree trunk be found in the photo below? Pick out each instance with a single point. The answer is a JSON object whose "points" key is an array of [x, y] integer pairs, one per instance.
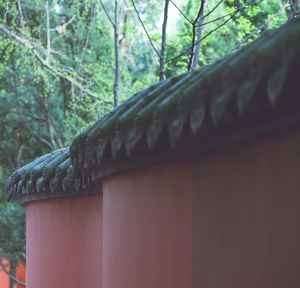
{"points": [[197, 48], [196, 39], [162, 57], [48, 30], [293, 9], [117, 54]]}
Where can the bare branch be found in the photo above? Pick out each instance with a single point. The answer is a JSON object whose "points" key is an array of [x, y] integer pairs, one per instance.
{"points": [[213, 9], [48, 30], [220, 26], [181, 12], [231, 13], [6, 11], [12, 277], [293, 8], [200, 29], [142, 23], [186, 51], [20, 13], [194, 24], [124, 32], [162, 75], [19, 154], [66, 77], [59, 134], [43, 52], [38, 136], [39, 52], [252, 33], [217, 19], [62, 28], [107, 14]]}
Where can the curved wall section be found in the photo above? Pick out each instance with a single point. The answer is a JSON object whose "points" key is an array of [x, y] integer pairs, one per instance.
{"points": [[147, 222], [247, 216], [64, 243]]}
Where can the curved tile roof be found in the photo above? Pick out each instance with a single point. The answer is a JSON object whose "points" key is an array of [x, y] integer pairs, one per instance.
{"points": [[245, 93], [50, 175], [253, 80]]}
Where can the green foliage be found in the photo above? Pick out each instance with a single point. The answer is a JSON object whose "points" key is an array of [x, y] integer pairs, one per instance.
{"points": [[12, 239]]}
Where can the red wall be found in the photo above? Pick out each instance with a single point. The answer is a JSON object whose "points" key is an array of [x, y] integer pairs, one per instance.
{"points": [[64, 243], [20, 274], [147, 222], [226, 220], [247, 215], [4, 279]]}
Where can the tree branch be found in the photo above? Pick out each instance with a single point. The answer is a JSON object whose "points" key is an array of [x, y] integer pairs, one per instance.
{"points": [[21, 13], [48, 30], [12, 277], [186, 51], [216, 19], [142, 23], [107, 14], [62, 28], [194, 24], [218, 27], [213, 9], [252, 33], [39, 52], [162, 75], [181, 12], [293, 8]]}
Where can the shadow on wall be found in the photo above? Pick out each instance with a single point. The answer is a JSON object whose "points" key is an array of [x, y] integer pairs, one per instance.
{"points": [[20, 275]]}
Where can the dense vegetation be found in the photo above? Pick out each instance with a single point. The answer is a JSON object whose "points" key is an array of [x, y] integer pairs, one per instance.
{"points": [[58, 68]]}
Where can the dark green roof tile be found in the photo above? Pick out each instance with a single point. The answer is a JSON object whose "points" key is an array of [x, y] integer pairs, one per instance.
{"points": [[213, 96], [245, 93], [50, 175]]}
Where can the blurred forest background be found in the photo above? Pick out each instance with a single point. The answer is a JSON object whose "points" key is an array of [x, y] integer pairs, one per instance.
{"points": [[66, 63]]}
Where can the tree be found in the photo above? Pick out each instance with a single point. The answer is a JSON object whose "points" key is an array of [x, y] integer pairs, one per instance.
{"points": [[12, 238]]}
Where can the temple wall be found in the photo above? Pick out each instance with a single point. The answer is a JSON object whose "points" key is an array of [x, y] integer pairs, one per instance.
{"points": [[64, 243], [224, 220], [147, 228], [247, 215]]}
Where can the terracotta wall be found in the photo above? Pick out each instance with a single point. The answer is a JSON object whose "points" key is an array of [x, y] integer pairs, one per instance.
{"points": [[229, 219], [20, 274], [239, 207], [64, 243], [4, 279], [147, 228], [247, 215]]}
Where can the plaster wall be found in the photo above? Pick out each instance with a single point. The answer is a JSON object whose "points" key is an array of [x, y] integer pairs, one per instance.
{"points": [[147, 228], [64, 243], [247, 215]]}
